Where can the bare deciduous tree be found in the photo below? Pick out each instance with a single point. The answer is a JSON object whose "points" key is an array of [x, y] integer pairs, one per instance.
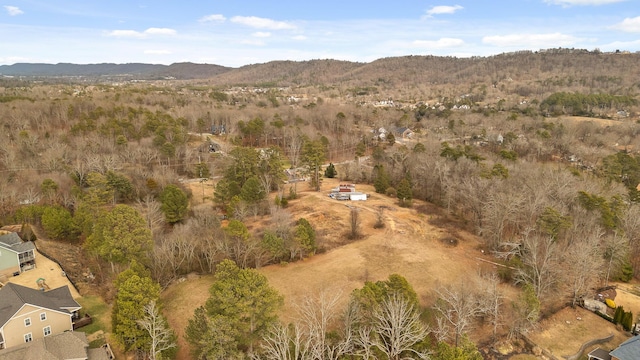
{"points": [[307, 338], [379, 218], [583, 264], [457, 306], [152, 212], [397, 329], [501, 216], [162, 337], [283, 343], [616, 249], [540, 257], [355, 223], [631, 227], [318, 315], [491, 300]]}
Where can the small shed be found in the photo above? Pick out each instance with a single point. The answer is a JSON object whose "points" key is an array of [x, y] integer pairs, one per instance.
{"points": [[357, 196]]}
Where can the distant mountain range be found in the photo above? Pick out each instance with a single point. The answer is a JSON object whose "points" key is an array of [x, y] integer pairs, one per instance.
{"points": [[582, 68], [178, 70]]}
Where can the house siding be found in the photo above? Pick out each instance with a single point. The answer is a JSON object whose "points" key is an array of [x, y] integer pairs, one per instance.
{"points": [[8, 262], [15, 329]]}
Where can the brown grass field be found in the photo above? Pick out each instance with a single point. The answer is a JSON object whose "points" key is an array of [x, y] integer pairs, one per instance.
{"points": [[563, 333], [597, 121], [414, 243], [408, 245]]}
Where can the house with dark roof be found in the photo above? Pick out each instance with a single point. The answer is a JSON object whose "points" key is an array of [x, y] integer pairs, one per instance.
{"points": [[628, 350], [599, 354], [70, 345], [16, 255], [27, 314], [403, 133]]}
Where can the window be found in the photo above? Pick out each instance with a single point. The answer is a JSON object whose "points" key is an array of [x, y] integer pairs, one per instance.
{"points": [[27, 322], [43, 316], [28, 337], [47, 331]]}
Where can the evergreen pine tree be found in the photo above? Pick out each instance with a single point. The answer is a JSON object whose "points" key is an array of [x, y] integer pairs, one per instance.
{"points": [[617, 316], [330, 172], [381, 179], [627, 320], [405, 194]]}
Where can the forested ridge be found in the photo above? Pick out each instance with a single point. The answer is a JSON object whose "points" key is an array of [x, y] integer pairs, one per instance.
{"points": [[536, 154]]}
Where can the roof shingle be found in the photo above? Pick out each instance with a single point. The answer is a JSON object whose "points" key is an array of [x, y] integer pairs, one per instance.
{"points": [[13, 297], [13, 242]]}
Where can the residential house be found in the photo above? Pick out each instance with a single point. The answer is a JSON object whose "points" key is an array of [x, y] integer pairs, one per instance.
{"points": [[404, 133], [16, 256], [70, 345], [628, 350], [27, 314]]}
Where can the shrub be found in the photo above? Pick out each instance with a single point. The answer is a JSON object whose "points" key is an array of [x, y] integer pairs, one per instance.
{"points": [[618, 315], [391, 192], [59, 224], [627, 320], [26, 233]]}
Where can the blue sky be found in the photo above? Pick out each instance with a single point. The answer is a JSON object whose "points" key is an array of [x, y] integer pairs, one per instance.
{"points": [[240, 32]]}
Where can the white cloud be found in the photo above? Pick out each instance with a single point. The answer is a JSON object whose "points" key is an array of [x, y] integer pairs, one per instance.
{"points": [[443, 9], [567, 3], [262, 23], [157, 52], [13, 10], [528, 41], [126, 34], [140, 35], [299, 37], [261, 34], [442, 43], [213, 18], [160, 31], [629, 25]]}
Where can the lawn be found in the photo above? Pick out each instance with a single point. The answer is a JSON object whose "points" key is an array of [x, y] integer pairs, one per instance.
{"points": [[179, 302], [100, 313], [563, 333]]}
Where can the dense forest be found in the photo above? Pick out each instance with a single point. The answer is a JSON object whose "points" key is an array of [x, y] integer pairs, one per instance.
{"points": [[535, 153]]}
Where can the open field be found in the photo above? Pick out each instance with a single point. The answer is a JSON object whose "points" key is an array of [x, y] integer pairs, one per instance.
{"points": [[408, 245], [564, 332], [627, 296], [180, 300], [598, 121]]}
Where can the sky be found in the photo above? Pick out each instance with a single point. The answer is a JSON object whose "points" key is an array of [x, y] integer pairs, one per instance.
{"points": [[240, 32]]}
